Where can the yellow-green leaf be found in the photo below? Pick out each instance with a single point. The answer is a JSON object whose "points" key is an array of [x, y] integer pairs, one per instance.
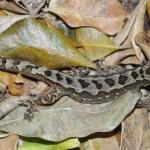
{"points": [[96, 44], [45, 145], [148, 7], [32, 40]]}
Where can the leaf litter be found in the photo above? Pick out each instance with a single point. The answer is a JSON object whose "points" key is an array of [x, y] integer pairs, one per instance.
{"points": [[113, 37]]}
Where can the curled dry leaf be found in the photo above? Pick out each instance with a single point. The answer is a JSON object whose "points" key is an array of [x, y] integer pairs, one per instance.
{"points": [[124, 36], [138, 27], [104, 142], [32, 40], [133, 26], [7, 21], [115, 58], [105, 15], [3, 134], [132, 130], [145, 144], [130, 60], [11, 6], [96, 44], [9, 143], [143, 40], [121, 37]]}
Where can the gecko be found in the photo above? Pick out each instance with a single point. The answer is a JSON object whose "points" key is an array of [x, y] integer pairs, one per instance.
{"points": [[88, 90]]}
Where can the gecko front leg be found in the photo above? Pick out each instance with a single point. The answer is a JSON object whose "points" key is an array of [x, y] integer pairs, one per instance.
{"points": [[47, 97]]}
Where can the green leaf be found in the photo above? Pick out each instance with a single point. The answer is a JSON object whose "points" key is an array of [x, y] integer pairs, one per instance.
{"points": [[32, 40], [34, 144]]}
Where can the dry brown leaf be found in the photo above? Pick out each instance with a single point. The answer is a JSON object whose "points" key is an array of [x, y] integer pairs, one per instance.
{"points": [[11, 81], [9, 142], [138, 27], [133, 26], [2, 13], [145, 144], [115, 58], [121, 37], [132, 130], [101, 143], [105, 15], [11, 6], [143, 40], [130, 60]]}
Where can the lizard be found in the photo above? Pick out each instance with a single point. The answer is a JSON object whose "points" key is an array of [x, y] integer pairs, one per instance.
{"points": [[89, 90]]}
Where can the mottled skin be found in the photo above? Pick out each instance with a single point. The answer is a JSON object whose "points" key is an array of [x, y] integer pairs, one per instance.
{"points": [[92, 90]]}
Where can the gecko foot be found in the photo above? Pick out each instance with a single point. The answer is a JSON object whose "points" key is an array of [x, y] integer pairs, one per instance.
{"points": [[31, 105], [31, 109]]}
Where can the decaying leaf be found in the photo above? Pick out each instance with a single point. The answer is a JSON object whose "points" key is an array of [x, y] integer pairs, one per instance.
{"points": [[7, 21], [132, 130], [145, 144], [9, 143], [115, 58], [124, 36], [138, 27], [96, 44], [11, 6], [67, 118], [130, 60], [31, 40], [143, 40], [103, 143], [107, 16], [133, 26]]}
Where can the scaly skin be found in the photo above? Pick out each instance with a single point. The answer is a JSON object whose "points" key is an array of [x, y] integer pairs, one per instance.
{"points": [[92, 90]]}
